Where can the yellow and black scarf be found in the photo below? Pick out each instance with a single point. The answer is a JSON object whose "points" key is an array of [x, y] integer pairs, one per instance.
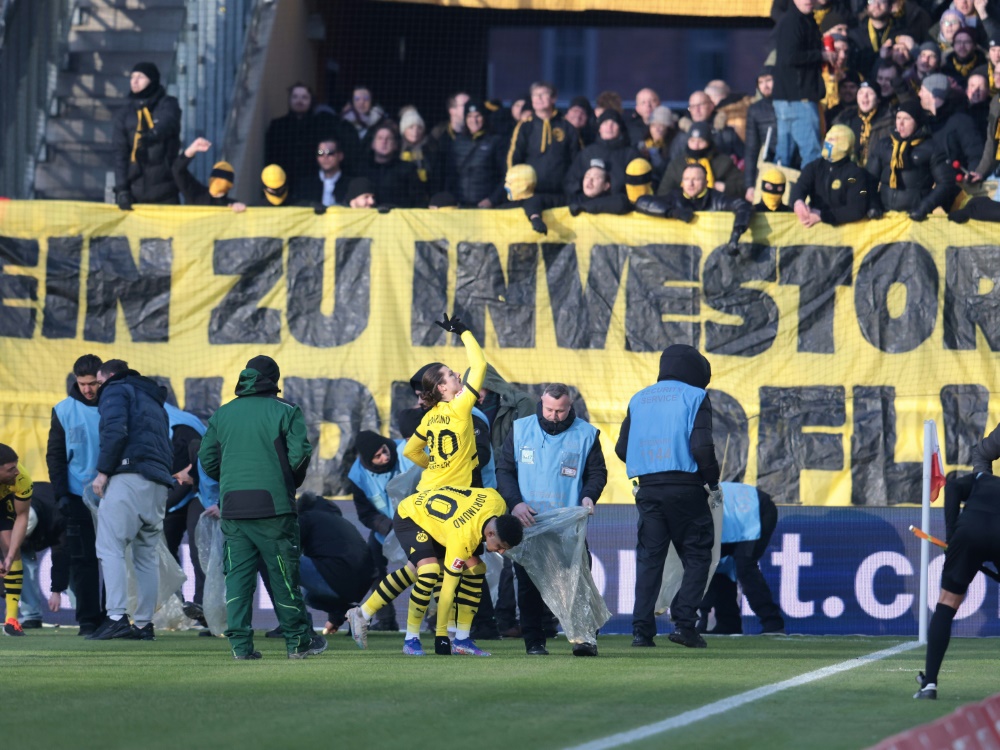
{"points": [[877, 39], [899, 146], [142, 116]]}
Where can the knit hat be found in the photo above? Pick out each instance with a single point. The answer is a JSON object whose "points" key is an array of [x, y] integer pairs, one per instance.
{"points": [[839, 143], [851, 76], [597, 164], [968, 32], [931, 47], [266, 367], [773, 181], [994, 43], [521, 181], [408, 117], [611, 114], [275, 184], [701, 130], [638, 178], [831, 19], [220, 181], [937, 84], [663, 116], [367, 444], [583, 103], [475, 106], [149, 70], [913, 109], [358, 187], [767, 70]]}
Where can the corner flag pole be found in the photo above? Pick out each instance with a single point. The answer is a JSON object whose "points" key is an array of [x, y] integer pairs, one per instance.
{"points": [[930, 433]]}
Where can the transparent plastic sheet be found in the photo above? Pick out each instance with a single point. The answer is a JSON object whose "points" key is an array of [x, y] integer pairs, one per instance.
{"points": [[393, 552], [169, 612], [554, 553], [673, 571], [403, 485], [494, 567], [208, 536]]}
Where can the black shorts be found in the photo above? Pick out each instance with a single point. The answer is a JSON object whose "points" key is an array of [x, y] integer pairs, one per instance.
{"points": [[976, 541], [417, 544]]}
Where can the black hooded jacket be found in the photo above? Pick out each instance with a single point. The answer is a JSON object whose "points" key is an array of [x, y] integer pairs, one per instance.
{"points": [[615, 153], [838, 190], [685, 364], [925, 181], [474, 168], [148, 178]]}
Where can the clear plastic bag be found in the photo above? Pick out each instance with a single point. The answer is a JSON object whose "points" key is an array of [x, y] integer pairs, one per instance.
{"points": [[554, 554], [673, 570], [208, 537]]}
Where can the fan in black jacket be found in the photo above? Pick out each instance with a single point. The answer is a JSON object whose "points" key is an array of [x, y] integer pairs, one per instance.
{"points": [[596, 195], [475, 161], [835, 187], [611, 148], [220, 181], [396, 181]]}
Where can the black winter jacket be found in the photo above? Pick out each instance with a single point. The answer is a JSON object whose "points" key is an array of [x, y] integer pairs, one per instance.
{"points": [[838, 190], [474, 168], [396, 183], [135, 431], [616, 154], [760, 120], [954, 133], [925, 182], [988, 160], [723, 170], [149, 178], [881, 125], [797, 68], [550, 147], [340, 554], [194, 192]]}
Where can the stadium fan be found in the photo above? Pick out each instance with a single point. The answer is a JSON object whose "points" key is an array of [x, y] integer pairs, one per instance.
{"points": [[611, 148], [46, 531], [581, 116], [329, 186], [473, 161], [772, 190], [762, 130], [361, 193], [396, 182], [519, 186], [870, 120], [596, 195], [700, 148], [702, 110], [15, 502], [637, 122], [545, 141], [835, 188], [418, 148], [220, 181], [361, 113], [275, 186]]}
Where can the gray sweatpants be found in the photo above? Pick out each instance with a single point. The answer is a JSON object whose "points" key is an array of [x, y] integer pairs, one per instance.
{"points": [[131, 512]]}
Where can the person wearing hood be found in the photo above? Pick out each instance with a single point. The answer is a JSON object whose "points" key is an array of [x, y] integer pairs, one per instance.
{"points": [[550, 460], [145, 138], [71, 458], [545, 141], [611, 148], [662, 129], [258, 449], [220, 180], [870, 120], [274, 186], [835, 187], [911, 171], [762, 130], [133, 476], [581, 116], [519, 185], [379, 460], [667, 446], [475, 161], [952, 129], [772, 191], [721, 173]]}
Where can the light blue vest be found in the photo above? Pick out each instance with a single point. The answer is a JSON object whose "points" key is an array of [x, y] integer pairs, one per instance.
{"points": [[740, 513], [373, 485], [177, 417], [659, 437], [208, 488], [550, 467], [82, 424], [489, 471]]}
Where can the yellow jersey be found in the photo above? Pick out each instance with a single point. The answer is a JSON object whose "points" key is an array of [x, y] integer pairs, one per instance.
{"points": [[19, 490]]}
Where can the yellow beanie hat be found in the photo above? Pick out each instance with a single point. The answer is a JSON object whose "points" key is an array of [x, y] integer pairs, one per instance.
{"points": [[638, 179], [220, 181]]}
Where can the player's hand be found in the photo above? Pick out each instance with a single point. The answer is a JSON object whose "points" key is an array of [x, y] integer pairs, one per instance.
{"points": [[452, 325], [525, 514], [212, 511], [100, 484], [442, 645], [588, 504], [55, 601]]}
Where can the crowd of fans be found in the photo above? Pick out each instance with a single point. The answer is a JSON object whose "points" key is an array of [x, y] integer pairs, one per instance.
{"points": [[908, 88]]}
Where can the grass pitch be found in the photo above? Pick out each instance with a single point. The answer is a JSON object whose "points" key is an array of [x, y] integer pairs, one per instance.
{"points": [[183, 691]]}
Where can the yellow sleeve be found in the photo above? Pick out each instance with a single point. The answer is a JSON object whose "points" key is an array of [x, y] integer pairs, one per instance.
{"points": [[477, 360], [22, 485], [414, 450]]}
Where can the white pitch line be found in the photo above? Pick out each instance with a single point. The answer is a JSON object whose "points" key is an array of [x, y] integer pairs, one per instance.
{"points": [[727, 704]]}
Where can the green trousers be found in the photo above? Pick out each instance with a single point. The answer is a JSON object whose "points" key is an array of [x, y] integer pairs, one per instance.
{"points": [[276, 541]]}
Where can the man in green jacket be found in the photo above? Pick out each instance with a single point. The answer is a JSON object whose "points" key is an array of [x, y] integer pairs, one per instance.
{"points": [[257, 448]]}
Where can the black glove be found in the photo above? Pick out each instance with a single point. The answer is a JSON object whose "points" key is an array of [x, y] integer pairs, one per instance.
{"points": [[918, 215], [959, 215], [732, 248], [442, 645], [383, 209], [124, 200], [734, 238], [875, 213], [319, 209], [452, 325], [538, 225], [575, 208], [684, 213]]}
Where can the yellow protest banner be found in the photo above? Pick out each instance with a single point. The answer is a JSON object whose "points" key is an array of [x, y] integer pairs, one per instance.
{"points": [[720, 8]]}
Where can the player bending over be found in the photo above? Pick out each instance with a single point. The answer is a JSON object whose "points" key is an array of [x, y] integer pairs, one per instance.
{"points": [[15, 502], [444, 528]]}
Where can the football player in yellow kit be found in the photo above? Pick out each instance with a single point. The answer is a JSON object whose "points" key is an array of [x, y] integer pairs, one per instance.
{"points": [[15, 502], [440, 529]]}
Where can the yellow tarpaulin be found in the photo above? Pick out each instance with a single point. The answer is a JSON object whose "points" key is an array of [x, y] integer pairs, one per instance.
{"points": [[727, 8], [829, 347]]}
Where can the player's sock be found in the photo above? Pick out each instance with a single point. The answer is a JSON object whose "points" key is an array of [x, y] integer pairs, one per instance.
{"points": [[388, 589], [420, 597], [467, 598], [938, 637], [12, 584]]}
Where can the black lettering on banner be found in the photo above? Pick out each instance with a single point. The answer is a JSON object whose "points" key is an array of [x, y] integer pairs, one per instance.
{"points": [[785, 450], [441, 506], [17, 322], [817, 271], [731, 432], [648, 297], [352, 290], [238, 319], [143, 292], [876, 477], [966, 411], [897, 263], [430, 292], [62, 287], [581, 319], [349, 406], [164, 382], [480, 286], [724, 276], [202, 396], [965, 309]]}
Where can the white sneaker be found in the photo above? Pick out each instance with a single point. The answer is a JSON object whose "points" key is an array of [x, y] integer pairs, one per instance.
{"points": [[359, 626]]}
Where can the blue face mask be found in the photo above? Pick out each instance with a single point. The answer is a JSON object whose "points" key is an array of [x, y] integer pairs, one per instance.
{"points": [[507, 190], [828, 151]]}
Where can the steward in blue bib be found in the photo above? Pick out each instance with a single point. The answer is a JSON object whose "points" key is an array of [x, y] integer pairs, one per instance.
{"points": [[379, 460]]}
